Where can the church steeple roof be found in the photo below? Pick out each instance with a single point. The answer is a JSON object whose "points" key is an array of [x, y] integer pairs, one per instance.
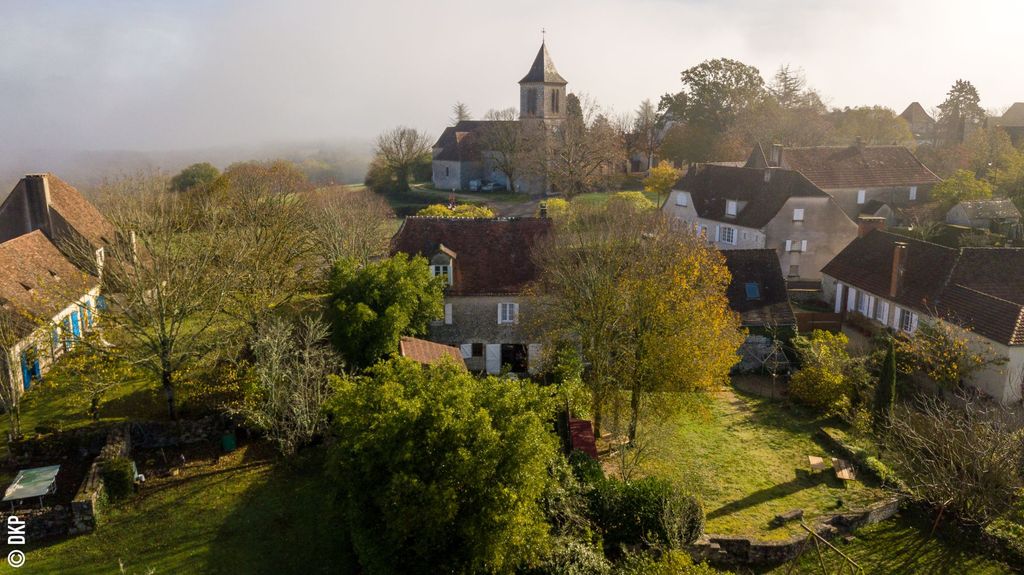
{"points": [[543, 69]]}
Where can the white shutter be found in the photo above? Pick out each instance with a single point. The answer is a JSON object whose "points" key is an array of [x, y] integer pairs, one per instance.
{"points": [[515, 313], [533, 357], [492, 357], [839, 297], [871, 306], [861, 196], [718, 233], [447, 314], [896, 317], [467, 350], [789, 245], [851, 299], [913, 193], [803, 245], [885, 313], [913, 322], [499, 314]]}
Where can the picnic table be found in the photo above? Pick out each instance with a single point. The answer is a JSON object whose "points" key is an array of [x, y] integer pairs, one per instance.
{"points": [[35, 482], [817, 463]]}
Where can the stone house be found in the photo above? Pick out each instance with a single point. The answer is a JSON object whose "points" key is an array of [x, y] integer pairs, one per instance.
{"points": [[768, 208], [49, 292], [757, 291], [921, 124], [459, 155], [898, 282], [998, 216], [489, 266], [862, 179]]}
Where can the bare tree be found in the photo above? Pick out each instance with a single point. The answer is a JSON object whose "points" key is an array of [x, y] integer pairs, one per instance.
{"points": [[11, 325], [646, 126], [349, 223], [292, 369], [460, 112], [583, 151], [504, 137], [400, 149], [966, 460]]}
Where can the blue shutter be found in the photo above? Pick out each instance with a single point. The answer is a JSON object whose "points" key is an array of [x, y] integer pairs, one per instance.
{"points": [[25, 376], [101, 302], [76, 327]]}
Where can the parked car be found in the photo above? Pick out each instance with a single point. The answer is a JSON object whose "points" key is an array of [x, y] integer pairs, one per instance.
{"points": [[474, 185], [493, 187]]}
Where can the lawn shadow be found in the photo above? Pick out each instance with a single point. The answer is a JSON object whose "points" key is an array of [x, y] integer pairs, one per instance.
{"points": [[802, 480]]}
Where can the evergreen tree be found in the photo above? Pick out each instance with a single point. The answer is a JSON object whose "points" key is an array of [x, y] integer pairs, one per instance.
{"points": [[885, 392]]}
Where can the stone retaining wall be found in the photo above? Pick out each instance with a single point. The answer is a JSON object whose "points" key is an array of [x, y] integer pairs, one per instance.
{"points": [[157, 434], [83, 506]]}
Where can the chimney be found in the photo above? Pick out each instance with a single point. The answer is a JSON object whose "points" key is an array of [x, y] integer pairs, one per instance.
{"points": [[899, 265], [867, 224], [37, 204], [775, 156], [544, 209]]}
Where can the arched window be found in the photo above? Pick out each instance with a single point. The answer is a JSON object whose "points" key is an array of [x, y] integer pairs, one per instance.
{"points": [[554, 101], [531, 101]]}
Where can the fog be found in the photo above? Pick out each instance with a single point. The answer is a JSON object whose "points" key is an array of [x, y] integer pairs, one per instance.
{"points": [[164, 83]]}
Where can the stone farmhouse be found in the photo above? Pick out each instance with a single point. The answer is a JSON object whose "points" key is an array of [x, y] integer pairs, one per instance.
{"points": [[998, 216], [864, 180], [48, 296], [740, 208], [459, 155], [489, 265], [898, 282], [757, 291]]}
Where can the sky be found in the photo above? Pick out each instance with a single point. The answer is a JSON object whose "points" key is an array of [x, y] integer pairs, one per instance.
{"points": [[186, 74]]}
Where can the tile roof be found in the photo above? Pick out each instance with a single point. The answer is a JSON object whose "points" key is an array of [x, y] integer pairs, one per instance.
{"points": [[859, 166], [978, 288], [543, 69], [761, 267], [428, 352], [38, 279], [79, 212], [492, 256], [711, 185], [915, 114], [461, 142], [996, 209]]}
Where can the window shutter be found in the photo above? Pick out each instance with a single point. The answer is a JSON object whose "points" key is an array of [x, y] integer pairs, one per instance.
{"points": [[467, 350], [718, 233], [839, 297], [861, 196], [533, 357], [871, 306], [851, 299], [896, 317], [447, 314], [499, 314], [913, 322], [913, 193], [515, 313], [789, 245], [803, 245]]}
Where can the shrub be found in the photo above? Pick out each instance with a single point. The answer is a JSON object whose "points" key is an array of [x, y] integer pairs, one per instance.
{"points": [[459, 211], [118, 478], [669, 563], [572, 557], [585, 468], [650, 511], [630, 200], [828, 377]]}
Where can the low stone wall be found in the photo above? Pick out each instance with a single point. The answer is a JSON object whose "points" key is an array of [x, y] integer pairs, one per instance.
{"points": [[41, 524], [157, 434], [730, 551], [85, 441], [84, 505]]}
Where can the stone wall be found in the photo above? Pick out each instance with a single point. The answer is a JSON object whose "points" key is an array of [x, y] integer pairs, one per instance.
{"points": [[157, 434], [41, 524], [84, 505]]}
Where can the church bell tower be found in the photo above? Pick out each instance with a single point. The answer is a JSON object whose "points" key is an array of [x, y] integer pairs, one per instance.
{"points": [[542, 91]]}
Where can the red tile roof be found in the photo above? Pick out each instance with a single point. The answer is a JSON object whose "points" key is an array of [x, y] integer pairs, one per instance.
{"points": [[859, 167], [79, 212], [978, 288], [428, 352], [492, 256]]}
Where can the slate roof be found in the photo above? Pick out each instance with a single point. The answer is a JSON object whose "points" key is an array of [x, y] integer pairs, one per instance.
{"points": [[997, 209], [38, 279], [858, 166], [771, 307], [461, 142], [915, 114], [711, 185], [428, 352], [492, 256], [543, 69], [978, 288]]}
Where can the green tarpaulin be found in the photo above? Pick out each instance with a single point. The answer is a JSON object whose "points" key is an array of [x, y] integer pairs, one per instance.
{"points": [[32, 483]]}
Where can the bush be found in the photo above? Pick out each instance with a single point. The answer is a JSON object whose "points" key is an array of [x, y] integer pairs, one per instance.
{"points": [[585, 468], [459, 211], [669, 563], [651, 511], [572, 557], [118, 478], [828, 377]]}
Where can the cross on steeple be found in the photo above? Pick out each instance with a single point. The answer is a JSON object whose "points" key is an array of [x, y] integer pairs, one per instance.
{"points": [[542, 35]]}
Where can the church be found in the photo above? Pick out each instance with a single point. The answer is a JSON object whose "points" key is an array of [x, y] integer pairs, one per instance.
{"points": [[460, 155]]}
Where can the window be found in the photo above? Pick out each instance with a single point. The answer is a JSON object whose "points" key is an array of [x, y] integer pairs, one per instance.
{"points": [[730, 208], [794, 271], [753, 290], [478, 350], [682, 199], [861, 196], [531, 101], [796, 246], [881, 311], [554, 101], [803, 245], [508, 313], [442, 270], [913, 193], [862, 303], [798, 215], [728, 235], [906, 320], [447, 171]]}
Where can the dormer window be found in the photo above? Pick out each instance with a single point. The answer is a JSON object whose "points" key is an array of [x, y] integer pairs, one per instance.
{"points": [[730, 208], [753, 290], [798, 214], [682, 199], [442, 270]]}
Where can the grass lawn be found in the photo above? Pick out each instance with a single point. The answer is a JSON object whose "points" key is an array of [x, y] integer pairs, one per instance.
{"points": [[901, 546], [244, 514], [747, 458]]}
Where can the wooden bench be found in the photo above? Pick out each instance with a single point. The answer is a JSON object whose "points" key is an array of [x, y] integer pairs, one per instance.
{"points": [[844, 469], [817, 463]]}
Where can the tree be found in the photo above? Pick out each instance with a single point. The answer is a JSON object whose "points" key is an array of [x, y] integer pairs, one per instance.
{"points": [[457, 211], [959, 114], [644, 301], [714, 93], [11, 326], [195, 176], [89, 373], [508, 144], [267, 239], [993, 158], [371, 306], [788, 86], [460, 112], [441, 471], [290, 386], [828, 376], [945, 353], [582, 152], [163, 280], [645, 126], [959, 187], [660, 180], [885, 390], [965, 459], [400, 150], [874, 125], [349, 223]]}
